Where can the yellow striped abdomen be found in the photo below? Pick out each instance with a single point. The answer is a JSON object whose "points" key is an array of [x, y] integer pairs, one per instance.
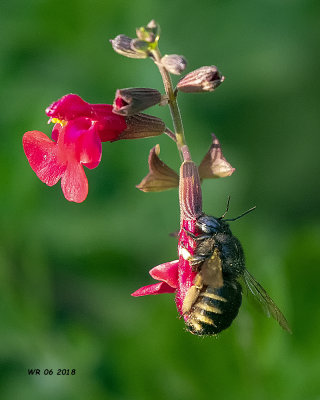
{"points": [[215, 309]]}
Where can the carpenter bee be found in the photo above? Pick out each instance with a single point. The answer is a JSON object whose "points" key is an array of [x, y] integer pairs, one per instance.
{"points": [[213, 301]]}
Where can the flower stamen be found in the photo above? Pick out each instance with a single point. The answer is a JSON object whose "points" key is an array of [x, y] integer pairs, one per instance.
{"points": [[62, 122]]}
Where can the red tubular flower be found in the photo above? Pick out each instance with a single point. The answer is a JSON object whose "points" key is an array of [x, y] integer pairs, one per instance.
{"points": [[79, 129], [108, 125], [178, 276]]}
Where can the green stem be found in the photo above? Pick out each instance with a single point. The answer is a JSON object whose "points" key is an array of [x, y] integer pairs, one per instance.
{"points": [[173, 104]]}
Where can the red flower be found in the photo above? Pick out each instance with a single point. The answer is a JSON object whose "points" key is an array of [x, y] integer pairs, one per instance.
{"points": [[178, 276], [174, 276], [70, 107], [77, 135]]}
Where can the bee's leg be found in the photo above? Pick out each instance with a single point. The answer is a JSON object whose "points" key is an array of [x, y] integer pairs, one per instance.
{"points": [[192, 294], [194, 260], [196, 238]]}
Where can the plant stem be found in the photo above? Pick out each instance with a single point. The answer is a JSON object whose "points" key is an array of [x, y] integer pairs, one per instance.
{"points": [[173, 104], [170, 134]]}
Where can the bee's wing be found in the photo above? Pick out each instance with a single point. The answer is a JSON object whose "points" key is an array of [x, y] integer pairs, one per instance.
{"points": [[211, 271], [267, 303]]}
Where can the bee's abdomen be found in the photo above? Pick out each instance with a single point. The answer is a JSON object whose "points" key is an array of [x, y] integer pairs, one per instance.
{"points": [[215, 309]]}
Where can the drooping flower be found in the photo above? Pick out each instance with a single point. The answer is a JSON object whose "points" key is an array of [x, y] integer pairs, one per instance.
{"points": [[178, 276], [79, 129]]}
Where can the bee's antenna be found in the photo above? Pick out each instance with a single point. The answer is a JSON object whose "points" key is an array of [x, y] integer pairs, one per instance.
{"points": [[242, 215], [227, 209]]}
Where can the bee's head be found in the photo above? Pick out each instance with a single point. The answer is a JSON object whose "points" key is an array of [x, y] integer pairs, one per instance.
{"points": [[212, 225]]}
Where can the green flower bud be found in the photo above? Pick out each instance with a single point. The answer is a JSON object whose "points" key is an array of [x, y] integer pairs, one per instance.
{"points": [[149, 33]]}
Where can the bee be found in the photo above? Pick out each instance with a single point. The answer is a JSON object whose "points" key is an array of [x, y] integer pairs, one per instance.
{"points": [[214, 299]]}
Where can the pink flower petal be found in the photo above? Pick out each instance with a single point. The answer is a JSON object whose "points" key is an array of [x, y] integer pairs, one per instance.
{"points": [[74, 182], [57, 128], [101, 110], [41, 153], [109, 125], [69, 107], [90, 149], [157, 288], [186, 272], [81, 142], [75, 129], [167, 272], [91, 165], [119, 102]]}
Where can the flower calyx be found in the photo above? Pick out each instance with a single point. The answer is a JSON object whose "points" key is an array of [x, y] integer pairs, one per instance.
{"points": [[204, 79], [131, 101], [214, 164], [190, 195], [126, 46], [141, 126], [160, 176], [174, 64]]}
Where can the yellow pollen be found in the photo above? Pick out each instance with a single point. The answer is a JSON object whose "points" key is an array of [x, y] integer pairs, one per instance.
{"points": [[62, 122]]}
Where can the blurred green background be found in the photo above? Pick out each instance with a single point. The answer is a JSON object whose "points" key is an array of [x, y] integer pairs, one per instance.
{"points": [[67, 270]]}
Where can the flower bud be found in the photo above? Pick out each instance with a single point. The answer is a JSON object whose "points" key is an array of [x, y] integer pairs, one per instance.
{"points": [[190, 195], [130, 101], [122, 44], [214, 165], [149, 33], [160, 176], [142, 126], [174, 64], [204, 79], [140, 45]]}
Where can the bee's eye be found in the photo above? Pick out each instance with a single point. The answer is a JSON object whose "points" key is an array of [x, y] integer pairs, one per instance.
{"points": [[208, 224]]}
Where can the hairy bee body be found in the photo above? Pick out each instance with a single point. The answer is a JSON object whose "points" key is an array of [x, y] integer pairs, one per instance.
{"points": [[213, 302], [230, 252], [217, 303]]}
